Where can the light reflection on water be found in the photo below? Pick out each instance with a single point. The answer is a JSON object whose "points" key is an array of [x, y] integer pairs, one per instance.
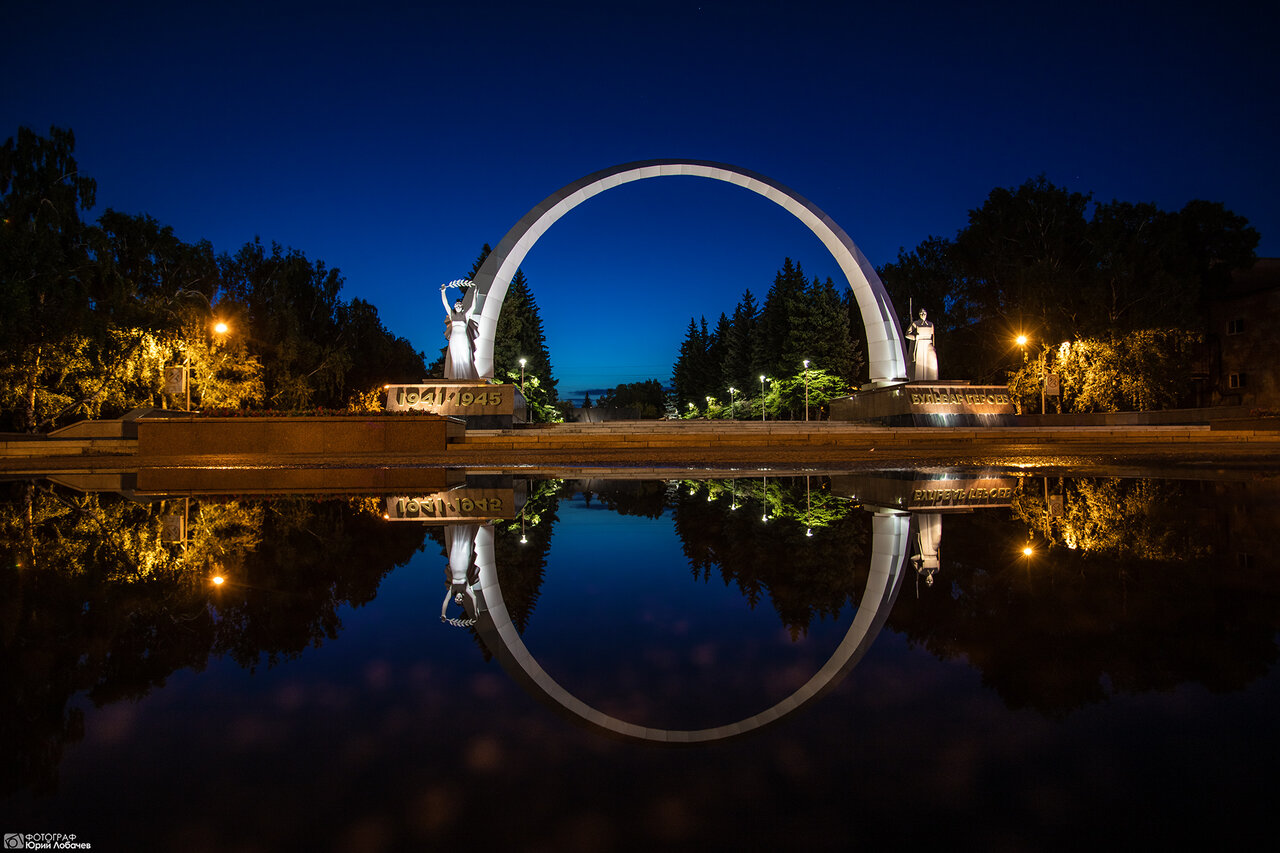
{"points": [[316, 699]]}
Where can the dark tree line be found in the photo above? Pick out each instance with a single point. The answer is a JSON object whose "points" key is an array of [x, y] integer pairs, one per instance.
{"points": [[800, 320], [90, 313], [1123, 279], [1125, 285], [647, 399]]}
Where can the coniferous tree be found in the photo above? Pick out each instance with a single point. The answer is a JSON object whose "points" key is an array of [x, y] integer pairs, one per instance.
{"points": [[739, 361], [831, 342], [690, 374], [786, 298], [519, 333], [717, 347]]}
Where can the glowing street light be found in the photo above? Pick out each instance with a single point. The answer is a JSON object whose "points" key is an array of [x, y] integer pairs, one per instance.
{"points": [[522, 363], [1042, 361], [762, 397], [732, 391], [1027, 550], [806, 389], [220, 327]]}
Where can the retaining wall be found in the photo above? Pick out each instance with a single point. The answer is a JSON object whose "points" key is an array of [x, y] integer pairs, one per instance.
{"points": [[336, 435]]}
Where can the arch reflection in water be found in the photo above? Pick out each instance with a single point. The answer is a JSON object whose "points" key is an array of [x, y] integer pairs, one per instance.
{"points": [[473, 583]]}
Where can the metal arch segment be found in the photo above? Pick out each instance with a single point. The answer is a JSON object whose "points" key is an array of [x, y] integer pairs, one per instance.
{"points": [[890, 536], [886, 349]]}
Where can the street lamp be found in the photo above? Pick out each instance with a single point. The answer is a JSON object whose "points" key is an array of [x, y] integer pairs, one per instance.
{"points": [[220, 327], [762, 397], [1042, 361], [522, 362], [806, 389], [732, 391]]}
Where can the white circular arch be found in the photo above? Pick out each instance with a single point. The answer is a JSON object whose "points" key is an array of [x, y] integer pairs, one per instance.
{"points": [[886, 351]]}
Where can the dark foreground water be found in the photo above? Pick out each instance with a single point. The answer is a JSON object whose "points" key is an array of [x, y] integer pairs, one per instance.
{"points": [[1117, 685]]}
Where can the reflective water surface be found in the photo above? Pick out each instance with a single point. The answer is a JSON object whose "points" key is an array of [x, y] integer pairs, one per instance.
{"points": [[981, 659]]}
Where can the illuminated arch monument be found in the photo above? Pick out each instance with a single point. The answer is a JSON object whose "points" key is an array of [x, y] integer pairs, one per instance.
{"points": [[883, 399], [886, 350]]}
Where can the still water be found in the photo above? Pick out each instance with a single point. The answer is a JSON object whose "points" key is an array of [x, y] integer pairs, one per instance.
{"points": [[983, 660]]}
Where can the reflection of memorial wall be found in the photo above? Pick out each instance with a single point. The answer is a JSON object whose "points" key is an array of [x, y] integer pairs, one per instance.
{"points": [[917, 490], [455, 506], [927, 495]]}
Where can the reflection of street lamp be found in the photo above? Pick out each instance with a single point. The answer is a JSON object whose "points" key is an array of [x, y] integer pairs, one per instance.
{"points": [[762, 397], [806, 389], [808, 507], [522, 362]]}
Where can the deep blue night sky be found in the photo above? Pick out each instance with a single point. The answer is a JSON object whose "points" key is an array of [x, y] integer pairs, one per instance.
{"points": [[392, 140]]}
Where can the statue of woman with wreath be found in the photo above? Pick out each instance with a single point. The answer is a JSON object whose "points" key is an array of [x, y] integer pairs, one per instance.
{"points": [[460, 330]]}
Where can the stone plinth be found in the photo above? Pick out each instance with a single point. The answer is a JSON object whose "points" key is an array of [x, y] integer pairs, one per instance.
{"points": [[479, 404], [930, 403]]}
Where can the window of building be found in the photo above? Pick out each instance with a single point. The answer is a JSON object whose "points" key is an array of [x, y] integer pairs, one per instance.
{"points": [[1235, 380], [1235, 327]]}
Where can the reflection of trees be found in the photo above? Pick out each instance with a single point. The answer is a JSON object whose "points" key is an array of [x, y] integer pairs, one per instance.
{"points": [[1146, 519], [1151, 596], [95, 603], [645, 498], [804, 576]]}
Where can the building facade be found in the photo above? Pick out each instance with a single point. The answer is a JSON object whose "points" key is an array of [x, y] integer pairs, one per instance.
{"points": [[1241, 365]]}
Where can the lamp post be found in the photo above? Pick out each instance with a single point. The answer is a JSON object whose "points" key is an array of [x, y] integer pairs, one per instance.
{"points": [[522, 362], [1043, 365], [732, 391], [710, 400], [762, 418], [806, 389]]}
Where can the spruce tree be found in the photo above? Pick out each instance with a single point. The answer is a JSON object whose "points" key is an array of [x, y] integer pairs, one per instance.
{"points": [[785, 298], [739, 361], [519, 333], [689, 375], [717, 347]]}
